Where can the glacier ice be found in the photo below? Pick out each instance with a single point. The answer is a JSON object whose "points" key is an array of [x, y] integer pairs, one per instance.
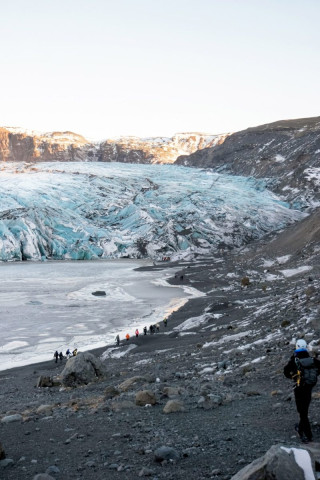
{"points": [[106, 210]]}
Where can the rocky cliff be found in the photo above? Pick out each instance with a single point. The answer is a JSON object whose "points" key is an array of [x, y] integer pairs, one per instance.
{"points": [[158, 149], [21, 146], [17, 145], [288, 152]]}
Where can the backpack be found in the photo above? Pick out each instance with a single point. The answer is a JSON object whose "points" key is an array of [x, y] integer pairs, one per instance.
{"points": [[307, 371]]}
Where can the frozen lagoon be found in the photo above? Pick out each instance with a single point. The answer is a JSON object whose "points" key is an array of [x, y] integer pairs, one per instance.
{"points": [[49, 306]]}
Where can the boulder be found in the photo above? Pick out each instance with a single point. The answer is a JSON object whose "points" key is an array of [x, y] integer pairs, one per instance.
{"points": [[166, 453], [120, 405], [172, 391], [82, 369], [145, 397], [173, 406], [12, 418], [279, 463], [44, 381], [111, 392], [129, 382], [99, 293], [45, 409]]}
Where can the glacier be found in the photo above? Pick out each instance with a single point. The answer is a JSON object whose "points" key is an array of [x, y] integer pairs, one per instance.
{"points": [[90, 210]]}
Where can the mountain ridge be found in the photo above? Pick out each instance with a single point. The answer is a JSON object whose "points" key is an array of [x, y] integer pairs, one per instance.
{"points": [[20, 145], [287, 151]]}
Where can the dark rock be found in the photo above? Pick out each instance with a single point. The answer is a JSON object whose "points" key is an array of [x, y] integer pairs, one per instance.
{"points": [[145, 397], [276, 464], [52, 469], [2, 452], [111, 392], [166, 453], [7, 462], [99, 293], [44, 382]]}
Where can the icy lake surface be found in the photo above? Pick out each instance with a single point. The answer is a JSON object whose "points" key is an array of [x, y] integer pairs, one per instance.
{"points": [[49, 306]]}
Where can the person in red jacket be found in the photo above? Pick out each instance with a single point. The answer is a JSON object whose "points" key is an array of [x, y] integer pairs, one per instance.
{"points": [[303, 370], [137, 333]]}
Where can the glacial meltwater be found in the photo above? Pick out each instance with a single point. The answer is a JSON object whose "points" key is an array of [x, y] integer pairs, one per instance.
{"points": [[49, 306]]}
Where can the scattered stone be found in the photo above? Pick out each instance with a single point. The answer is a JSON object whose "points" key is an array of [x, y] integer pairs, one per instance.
{"points": [[173, 406], [166, 453], [111, 392], [285, 323], [43, 476], [52, 469], [46, 409], [99, 293], [146, 472], [127, 384], [145, 397], [44, 382], [210, 401], [7, 462], [119, 406], [172, 391], [216, 471], [12, 418], [310, 291]]}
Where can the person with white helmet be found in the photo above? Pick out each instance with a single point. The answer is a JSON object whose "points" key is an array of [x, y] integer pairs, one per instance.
{"points": [[303, 370]]}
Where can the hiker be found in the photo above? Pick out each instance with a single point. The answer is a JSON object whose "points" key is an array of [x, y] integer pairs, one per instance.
{"points": [[127, 336], [75, 351], [118, 340], [303, 370], [137, 333], [61, 356], [68, 353], [145, 330], [151, 329], [165, 322], [158, 327], [56, 355]]}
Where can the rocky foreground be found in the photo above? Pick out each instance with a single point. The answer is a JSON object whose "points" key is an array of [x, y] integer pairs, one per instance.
{"points": [[201, 399]]}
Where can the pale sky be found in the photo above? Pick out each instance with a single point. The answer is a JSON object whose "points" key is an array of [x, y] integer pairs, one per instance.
{"points": [[105, 68]]}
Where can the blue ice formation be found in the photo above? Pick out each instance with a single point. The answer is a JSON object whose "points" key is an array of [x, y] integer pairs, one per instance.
{"points": [[107, 210]]}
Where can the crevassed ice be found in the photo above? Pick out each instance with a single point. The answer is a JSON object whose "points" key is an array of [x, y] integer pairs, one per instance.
{"points": [[104, 210]]}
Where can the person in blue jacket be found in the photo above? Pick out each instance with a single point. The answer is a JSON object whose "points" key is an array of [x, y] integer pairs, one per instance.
{"points": [[303, 370]]}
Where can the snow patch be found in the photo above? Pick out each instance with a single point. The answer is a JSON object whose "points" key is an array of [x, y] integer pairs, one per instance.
{"points": [[117, 352], [295, 271], [302, 458], [193, 322]]}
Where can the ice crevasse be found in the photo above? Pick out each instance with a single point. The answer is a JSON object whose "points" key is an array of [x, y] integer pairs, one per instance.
{"points": [[110, 210]]}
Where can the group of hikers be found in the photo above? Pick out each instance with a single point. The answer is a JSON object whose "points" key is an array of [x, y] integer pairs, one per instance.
{"points": [[302, 368], [68, 354], [154, 328]]}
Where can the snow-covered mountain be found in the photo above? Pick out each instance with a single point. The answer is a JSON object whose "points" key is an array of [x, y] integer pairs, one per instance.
{"points": [[92, 210], [18, 145]]}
